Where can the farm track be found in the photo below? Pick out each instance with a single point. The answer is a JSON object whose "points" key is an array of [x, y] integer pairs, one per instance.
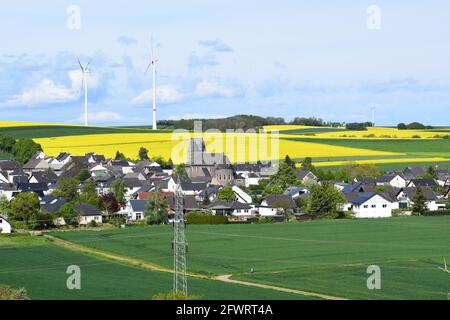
{"points": [[154, 267]]}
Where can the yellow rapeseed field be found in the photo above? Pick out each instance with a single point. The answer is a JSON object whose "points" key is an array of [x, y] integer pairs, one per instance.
{"points": [[380, 161], [239, 147]]}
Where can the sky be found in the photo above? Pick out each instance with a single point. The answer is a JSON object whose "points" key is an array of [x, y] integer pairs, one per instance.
{"points": [[220, 58]]}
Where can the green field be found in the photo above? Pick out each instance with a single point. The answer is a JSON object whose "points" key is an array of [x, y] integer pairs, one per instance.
{"points": [[40, 267], [35, 132], [328, 257]]}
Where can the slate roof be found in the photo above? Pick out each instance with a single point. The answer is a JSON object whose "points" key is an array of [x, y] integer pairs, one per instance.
{"points": [[53, 206], [424, 182], [87, 210], [138, 205], [229, 205], [275, 200], [9, 165], [427, 192]]}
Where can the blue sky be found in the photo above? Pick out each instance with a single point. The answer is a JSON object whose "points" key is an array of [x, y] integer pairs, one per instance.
{"points": [[220, 58]]}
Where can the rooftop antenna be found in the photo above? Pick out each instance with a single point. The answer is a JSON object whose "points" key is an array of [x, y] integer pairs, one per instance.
{"points": [[85, 70], [373, 107], [152, 65], [179, 244]]}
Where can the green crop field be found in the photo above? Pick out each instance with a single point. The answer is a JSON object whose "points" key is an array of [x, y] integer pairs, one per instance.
{"points": [[35, 132], [40, 267], [328, 257]]}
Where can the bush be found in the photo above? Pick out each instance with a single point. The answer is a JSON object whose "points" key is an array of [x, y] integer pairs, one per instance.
{"points": [[437, 213], [416, 136], [8, 293], [265, 220], [204, 218], [93, 224]]}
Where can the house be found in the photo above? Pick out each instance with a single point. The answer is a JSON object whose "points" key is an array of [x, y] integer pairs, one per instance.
{"points": [[306, 176], [211, 192], [48, 177], [9, 166], [121, 166], [274, 205], [58, 162], [422, 183], [414, 173], [36, 165], [406, 195], [95, 158], [372, 205], [136, 210], [241, 195], [88, 214], [99, 171], [232, 208], [295, 192], [443, 177], [5, 226], [394, 180], [41, 189]]}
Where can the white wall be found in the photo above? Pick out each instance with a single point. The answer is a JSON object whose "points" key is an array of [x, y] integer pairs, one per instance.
{"points": [[375, 207], [5, 227]]}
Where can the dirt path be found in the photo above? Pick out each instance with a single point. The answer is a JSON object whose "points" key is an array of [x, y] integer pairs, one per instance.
{"points": [[154, 267], [227, 278]]}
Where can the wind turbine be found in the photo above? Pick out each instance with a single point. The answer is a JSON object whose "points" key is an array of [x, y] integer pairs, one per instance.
{"points": [[152, 65], [373, 107], [85, 71]]}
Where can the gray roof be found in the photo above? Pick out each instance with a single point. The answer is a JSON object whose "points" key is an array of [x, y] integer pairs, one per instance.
{"points": [[424, 182], [53, 206], [276, 200], [9, 165], [365, 196], [138, 205], [86, 210], [427, 192], [228, 205]]}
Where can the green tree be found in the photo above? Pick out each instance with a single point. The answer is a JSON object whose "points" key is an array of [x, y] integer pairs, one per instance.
{"points": [[419, 202], [7, 143], [206, 200], [156, 210], [120, 156], [24, 149], [32, 222], [89, 193], [353, 171], [67, 188], [307, 164], [24, 206], [83, 175], [8, 293], [67, 212], [324, 200], [143, 154], [180, 170], [226, 194], [4, 204], [402, 126], [288, 161], [430, 173], [118, 190], [285, 177]]}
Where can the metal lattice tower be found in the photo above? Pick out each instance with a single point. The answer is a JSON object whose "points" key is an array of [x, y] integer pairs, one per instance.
{"points": [[179, 245]]}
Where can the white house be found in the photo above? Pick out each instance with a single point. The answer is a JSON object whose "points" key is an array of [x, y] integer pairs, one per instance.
{"points": [[274, 205], [242, 196], [99, 171], [235, 208], [406, 196], [135, 210], [88, 214], [373, 205], [394, 180], [5, 226]]}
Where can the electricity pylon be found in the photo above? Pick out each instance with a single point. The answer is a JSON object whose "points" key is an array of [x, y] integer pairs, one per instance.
{"points": [[179, 244]]}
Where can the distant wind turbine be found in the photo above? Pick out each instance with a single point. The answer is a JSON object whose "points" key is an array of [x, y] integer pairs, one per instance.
{"points": [[373, 107], [85, 71], [152, 65]]}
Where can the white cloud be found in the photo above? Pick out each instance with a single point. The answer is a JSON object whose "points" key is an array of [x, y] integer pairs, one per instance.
{"points": [[48, 91], [207, 88], [105, 116], [164, 94]]}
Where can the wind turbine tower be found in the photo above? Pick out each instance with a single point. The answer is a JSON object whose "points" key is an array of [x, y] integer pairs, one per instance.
{"points": [[373, 107], [85, 70], [152, 65]]}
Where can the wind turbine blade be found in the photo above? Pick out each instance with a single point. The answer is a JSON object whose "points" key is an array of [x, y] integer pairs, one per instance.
{"points": [[148, 68], [81, 66], [88, 64]]}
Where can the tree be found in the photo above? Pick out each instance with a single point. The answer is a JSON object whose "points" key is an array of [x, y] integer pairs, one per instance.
{"points": [[83, 175], [89, 193], [430, 173], [402, 126], [226, 194], [419, 202], [180, 170], [285, 177], [324, 200], [4, 204], [307, 164], [289, 161], [353, 170], [24, 149], [143, 154], [7, 143], [108, 203], [120, 156], [67, 212], [67, 188], [156, 210], [24, 206], [118, 190], [206, 200], [8, 293]]}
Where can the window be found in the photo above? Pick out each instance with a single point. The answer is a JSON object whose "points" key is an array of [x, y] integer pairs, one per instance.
{"points": [[374, 206], [366, 206], [384, 205], [138, 216]]}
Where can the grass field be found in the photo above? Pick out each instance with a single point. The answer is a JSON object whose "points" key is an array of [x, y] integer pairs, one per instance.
{"points": [[328, 257], [40, 267]]}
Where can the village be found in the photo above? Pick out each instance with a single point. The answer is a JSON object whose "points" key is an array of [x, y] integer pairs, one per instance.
{"points": [[67, 190]]}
